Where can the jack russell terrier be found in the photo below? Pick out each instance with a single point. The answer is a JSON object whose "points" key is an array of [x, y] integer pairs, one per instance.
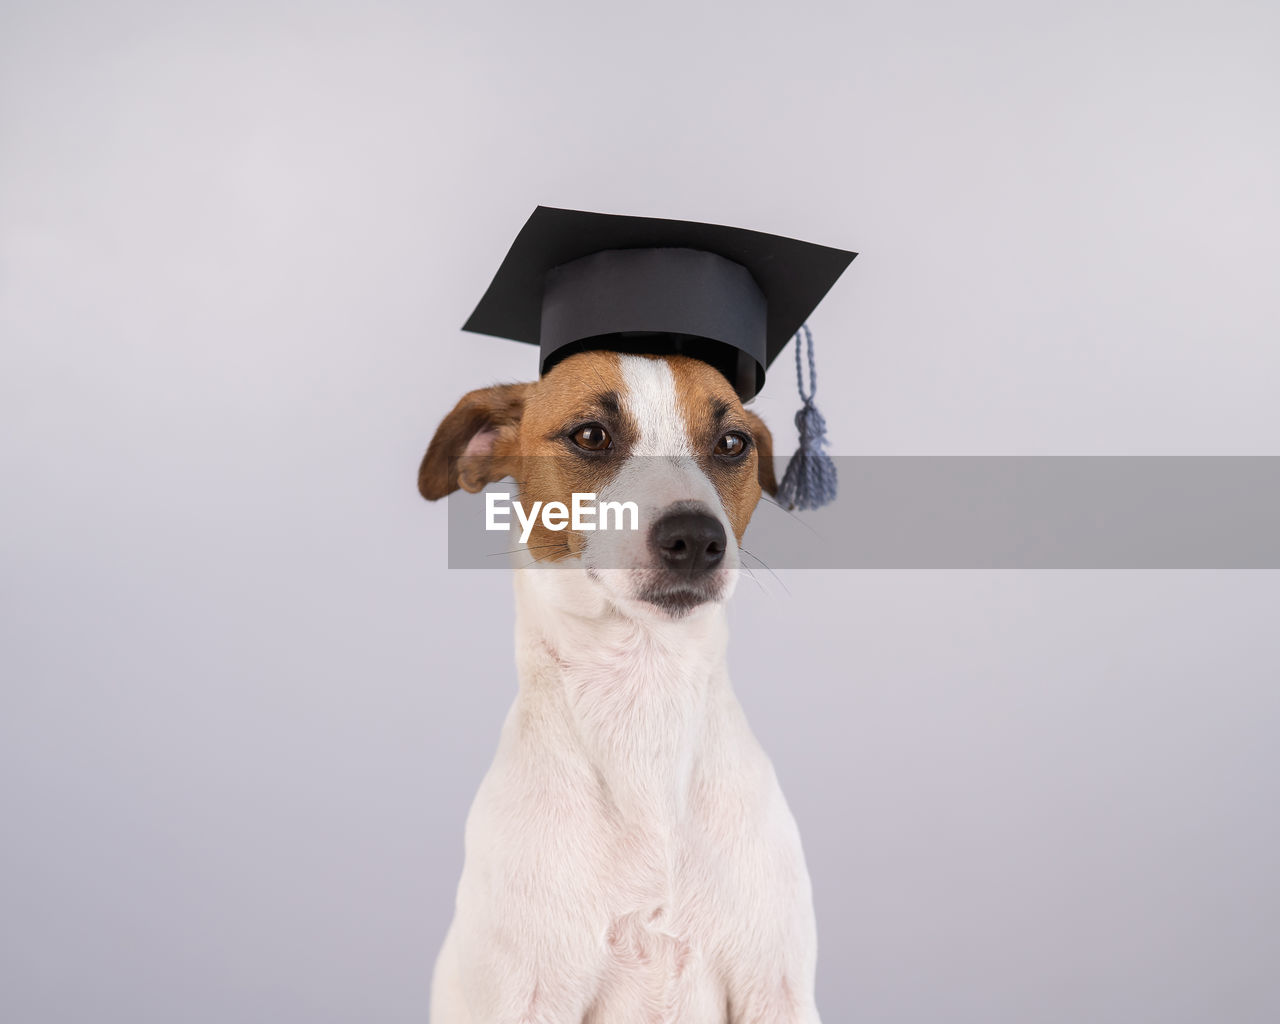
{"points": [[630, 857]]}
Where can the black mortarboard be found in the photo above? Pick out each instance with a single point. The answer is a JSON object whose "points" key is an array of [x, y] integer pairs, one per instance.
{"points": [[575, 281]]}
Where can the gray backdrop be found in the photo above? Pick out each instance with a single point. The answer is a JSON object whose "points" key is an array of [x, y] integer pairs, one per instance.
{"points": [[244, 705]]}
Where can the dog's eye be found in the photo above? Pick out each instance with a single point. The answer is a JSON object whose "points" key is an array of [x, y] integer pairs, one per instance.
{"points": [[592, 437], [731, 445]]}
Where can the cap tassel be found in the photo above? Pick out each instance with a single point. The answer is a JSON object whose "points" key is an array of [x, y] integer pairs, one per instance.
{"points": [[810, 479]]}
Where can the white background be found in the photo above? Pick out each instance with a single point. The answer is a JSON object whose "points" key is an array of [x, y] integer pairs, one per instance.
{"points": [[244, 706]]}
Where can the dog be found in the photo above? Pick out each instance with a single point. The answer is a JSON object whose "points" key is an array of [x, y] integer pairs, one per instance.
{"points": [[630, 857]]}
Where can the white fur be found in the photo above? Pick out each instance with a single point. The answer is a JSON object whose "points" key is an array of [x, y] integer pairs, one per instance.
{"points": [[630, 858], [655, 406]]}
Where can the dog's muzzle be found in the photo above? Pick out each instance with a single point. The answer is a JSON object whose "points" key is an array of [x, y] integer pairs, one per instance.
{"points": [[687, 545]]}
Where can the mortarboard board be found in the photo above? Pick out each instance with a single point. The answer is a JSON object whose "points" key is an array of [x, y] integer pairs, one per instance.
{"points": [[575, 281]]}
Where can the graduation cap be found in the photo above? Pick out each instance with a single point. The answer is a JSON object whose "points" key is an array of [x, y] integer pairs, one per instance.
{"points": [[576, 281]]}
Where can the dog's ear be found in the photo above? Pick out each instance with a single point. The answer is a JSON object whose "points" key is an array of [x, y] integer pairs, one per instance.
{"points": [[473, 444], [764, 453]]}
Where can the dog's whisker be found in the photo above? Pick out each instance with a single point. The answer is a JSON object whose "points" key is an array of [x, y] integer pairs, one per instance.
{"points": [[754, 579], [520, 551], [778, 505], [528, 547], [765, 565]]}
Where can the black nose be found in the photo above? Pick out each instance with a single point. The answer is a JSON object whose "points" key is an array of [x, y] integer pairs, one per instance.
{"points": [[688, 542]]}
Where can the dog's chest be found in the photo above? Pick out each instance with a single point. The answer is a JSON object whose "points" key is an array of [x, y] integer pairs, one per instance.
{"points": [[661, 935]]}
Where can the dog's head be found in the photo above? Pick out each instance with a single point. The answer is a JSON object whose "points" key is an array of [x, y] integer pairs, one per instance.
{"points": [[665, 432]]}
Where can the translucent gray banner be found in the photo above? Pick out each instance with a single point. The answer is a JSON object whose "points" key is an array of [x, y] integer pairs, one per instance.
{"points": [[980, 512]]}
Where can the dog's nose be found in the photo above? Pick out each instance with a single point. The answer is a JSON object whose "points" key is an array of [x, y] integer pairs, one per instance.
{"points": [[688, 542]]}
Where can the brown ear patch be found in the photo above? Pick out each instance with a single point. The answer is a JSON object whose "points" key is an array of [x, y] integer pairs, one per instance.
{"points": [[474, 443], [764, 452]]}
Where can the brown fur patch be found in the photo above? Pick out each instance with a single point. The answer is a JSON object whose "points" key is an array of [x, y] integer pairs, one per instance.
{"points": [[523, 431], [585, 388]]}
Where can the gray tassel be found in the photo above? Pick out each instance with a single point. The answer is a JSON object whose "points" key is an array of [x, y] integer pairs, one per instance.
{"points": [[810, 479]]}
